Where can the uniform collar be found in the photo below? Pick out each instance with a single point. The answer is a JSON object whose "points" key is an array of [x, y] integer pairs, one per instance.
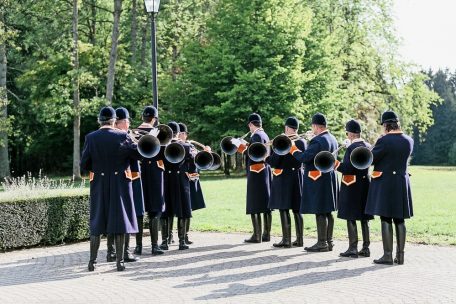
{"points": [[357, 140], [325, 131], [106, 127], [146, 125], [259, 129], [395, 132]]}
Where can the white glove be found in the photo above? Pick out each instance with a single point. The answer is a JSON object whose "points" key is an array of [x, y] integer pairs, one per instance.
{"points": [[154, 132], [236, 141], [347, 142]]}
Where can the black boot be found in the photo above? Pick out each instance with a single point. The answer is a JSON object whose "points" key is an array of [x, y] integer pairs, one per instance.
{"points": [[256, 223], [181, 226], [170, 230], [187, 229], [322, 230], [286, 230], [153, 227], [139, 235], [128, 257], [164, 233], [111, 253], [299, 230], [400, 243], [365, 252], [120, 242], [387, 238], [267, 216], [352, 251], [329, 234], [94, 246]]}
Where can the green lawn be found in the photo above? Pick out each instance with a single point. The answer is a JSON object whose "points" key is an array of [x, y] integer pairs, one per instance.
{"points": [[434, 195]]}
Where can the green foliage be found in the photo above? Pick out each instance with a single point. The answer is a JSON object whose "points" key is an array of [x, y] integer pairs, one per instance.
{"points": [[46, 220]]}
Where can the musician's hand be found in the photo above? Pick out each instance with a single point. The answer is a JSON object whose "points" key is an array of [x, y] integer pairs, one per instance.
{"points": [[347, 142], [207, 149], [154, 132], [294, 149], [244, 142]]}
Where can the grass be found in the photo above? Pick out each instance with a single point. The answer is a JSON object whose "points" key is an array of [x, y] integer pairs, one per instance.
{"points": [[434, 198]]}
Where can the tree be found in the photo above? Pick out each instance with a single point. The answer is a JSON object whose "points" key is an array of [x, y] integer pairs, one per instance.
{"points": [[76, 101], [4, 123], [113, 54]]}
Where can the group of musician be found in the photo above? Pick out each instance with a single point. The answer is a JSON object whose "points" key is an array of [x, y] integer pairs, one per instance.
{"points": [[125, 185], [293, 181]]}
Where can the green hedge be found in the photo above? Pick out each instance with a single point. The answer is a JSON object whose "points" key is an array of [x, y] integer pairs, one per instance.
{"points": [[44, 221]]}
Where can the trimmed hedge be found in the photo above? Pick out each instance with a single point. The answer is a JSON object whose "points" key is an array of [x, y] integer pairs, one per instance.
{"points": [[44, 221]]}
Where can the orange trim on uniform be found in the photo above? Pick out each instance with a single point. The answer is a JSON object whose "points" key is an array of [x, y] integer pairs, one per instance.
{"points": [[91, 176], [336, 164], [128, 174], [348, 179], [277, 172], [135, 175], [294, 149], [160, 164], [376, 174], [314, 175], [242, 148], [257, 168]]}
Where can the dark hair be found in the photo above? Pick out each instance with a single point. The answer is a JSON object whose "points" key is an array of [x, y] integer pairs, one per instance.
{"points": [[256, 124], [392, 126], [148, 119]]}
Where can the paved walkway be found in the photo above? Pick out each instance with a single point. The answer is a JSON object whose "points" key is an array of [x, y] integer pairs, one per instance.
{"points": [[220, 268]]}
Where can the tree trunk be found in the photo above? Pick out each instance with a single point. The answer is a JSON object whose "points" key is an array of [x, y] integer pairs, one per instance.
{"points": [[113, 54], [226, 164], [144, 48], [4, 159], [133, 32], [76, 109], [93, 22]]}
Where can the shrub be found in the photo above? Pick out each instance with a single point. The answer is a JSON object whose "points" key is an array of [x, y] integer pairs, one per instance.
{"points": [[50, 218]]}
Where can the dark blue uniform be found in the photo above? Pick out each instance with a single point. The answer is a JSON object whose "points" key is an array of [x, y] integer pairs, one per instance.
{"points": [[177, 187], [107, 153], [137, 187], [320, 190], [152, 170], [354, 188], [258, 179], [389, 193], [286, 186], [196, 193]]}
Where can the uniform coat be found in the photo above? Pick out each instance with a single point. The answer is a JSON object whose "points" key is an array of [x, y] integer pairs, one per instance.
{"points": [[286, 186], [320, 190], [196, 193], [137, 187], [259, 179], [177, 187], [152, 177], [353, 188], [107, 153], [389, 191]]}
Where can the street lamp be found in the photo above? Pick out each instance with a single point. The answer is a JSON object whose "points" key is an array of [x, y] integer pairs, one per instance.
{"points": [[152, 7]]}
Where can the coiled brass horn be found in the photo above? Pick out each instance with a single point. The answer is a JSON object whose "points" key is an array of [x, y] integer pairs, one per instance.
{"points": [[174, 152], [203, 159], [361, 158], [324, 161], [148, 145], [257, 151], [227, 145]]}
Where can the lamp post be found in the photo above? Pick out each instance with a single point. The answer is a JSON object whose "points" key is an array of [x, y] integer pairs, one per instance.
{"points": [[152, 7]]}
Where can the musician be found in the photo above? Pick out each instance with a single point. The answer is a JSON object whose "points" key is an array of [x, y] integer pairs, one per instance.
{"points": [[389, 195], [319, 195], [177, 192], [286, 187], [196, 193], [106, 154], [258, 184], [153, 186], [353, 194]]}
